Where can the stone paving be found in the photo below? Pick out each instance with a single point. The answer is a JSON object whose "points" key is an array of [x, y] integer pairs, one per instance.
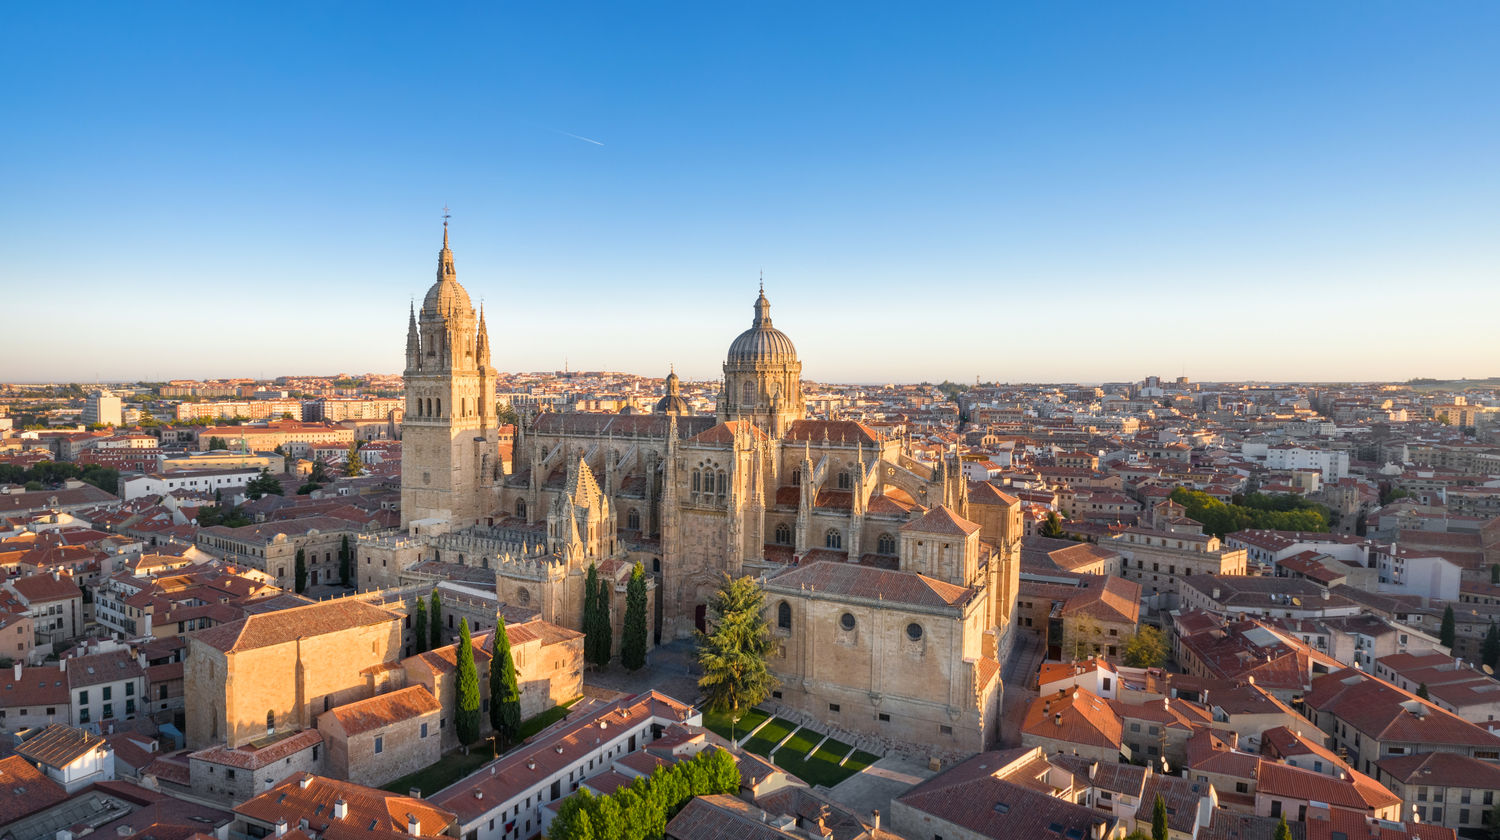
{"points": [[670, 669], [872, 790]]}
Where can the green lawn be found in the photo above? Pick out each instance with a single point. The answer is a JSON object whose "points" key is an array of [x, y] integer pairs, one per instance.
{"points": [[832, 751], [822, 769], [447, 770], [536, 724], [767, 738], [719, 724], [801, 743], [860, 760]]}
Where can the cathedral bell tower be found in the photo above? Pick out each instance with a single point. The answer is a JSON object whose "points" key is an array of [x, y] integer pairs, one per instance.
{"points": [[449, 439]]}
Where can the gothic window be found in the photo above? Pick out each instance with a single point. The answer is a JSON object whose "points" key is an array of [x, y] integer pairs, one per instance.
{"points": [[521, 508], [747, 394], [697, 479], [783, 534], [833, 539], [844, 481], [633, 520], [885, 544], [784, 615], [723, 483], [796, 478], [439, 407], [270, 722]]}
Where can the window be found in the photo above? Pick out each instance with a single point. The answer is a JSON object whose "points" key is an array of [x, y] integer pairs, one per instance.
{"points": [[783, 534], [633, 520], [845, 482], [914, 631], [883, 717], [424, 731], [846, 621], [83, 698], [796, 478], [885, 544], [130, 689], [521, 508], [833, 707], [109, 710], [945, 730], [784, 615], [379, 744], [270, 721], [833, 539]]}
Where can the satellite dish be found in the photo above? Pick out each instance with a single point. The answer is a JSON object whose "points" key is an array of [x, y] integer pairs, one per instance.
{"points": [[1296, 602], [1489, 670]]}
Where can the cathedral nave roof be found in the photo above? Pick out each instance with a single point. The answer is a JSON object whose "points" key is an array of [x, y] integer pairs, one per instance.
{"points": [[853, 580]]}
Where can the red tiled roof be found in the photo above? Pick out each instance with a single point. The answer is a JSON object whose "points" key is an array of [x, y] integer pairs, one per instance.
{"points": [[274, 628], [385, 709], [371, 813], [1358, 791], [25, 790], [857, 581], [942, 520]]}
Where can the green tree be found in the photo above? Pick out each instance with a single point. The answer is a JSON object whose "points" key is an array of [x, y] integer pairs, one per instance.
{"points": [[308, 488], [346, 562], [1052, 527], [507, 416], [1422, 691], [573, 821], [353, 465], [300, 571], [1490, 652], [319, 474], [263, 484], [419, 626], [505, 693], [1137, 835], [591, 615], [466, 714], [1448, 633], [216, 442], [435, 620], [605, 624], [1159, 819], [1493, 827], [1283, 831], [633, 644], [733, 653], [1495, 573], [1146, 649]]}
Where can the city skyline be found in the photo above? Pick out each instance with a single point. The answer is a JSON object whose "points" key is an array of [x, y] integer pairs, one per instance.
{"points": [[1302, 195]]}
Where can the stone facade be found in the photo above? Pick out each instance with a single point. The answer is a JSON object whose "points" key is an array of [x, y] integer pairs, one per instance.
{"points": [[385, 737]]}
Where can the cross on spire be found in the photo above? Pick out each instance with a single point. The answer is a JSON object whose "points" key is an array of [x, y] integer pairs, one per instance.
{"points": [[446, 214]]}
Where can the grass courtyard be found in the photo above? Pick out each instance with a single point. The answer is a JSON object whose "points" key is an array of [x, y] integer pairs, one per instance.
{"points": [[719, 723], [456, 765]]}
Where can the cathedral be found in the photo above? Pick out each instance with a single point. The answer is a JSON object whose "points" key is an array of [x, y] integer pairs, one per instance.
{"points": [[878, 567]]}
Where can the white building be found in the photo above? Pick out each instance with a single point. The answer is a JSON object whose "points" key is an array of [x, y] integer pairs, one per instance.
{"points": [[102, 407], [71, 757], [1291, 456], [1404, 571], [197, 481]]}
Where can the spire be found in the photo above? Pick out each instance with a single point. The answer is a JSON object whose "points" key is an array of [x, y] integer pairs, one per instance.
{"points": [[445, 256], [762, 308]]}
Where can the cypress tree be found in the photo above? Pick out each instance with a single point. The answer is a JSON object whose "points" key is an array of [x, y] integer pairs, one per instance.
{"points": [[419, 626], [591, 615], [1283, 831], [435, 621], [346, 562], [300, 571], [1159, 819], [633, 645], [1448, 634], [466, 680], [505, 694], [606, 626], [1490, 654]]}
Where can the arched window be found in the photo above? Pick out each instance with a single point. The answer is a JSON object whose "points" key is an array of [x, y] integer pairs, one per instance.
{"points": [[523, 595], [439, 407], [521, 508], [697, 479], [783, 534], [784, 615], [723, 483], [796, 478], [833, 539], [844, 481], [747, 394], [885, 544], [633, 520], [270, 721]]}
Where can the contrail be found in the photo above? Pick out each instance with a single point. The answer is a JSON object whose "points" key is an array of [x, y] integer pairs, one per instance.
{"points": [[577, 137]]}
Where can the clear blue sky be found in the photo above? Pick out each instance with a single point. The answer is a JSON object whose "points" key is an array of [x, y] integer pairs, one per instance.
{"points": [[1051, 191]]}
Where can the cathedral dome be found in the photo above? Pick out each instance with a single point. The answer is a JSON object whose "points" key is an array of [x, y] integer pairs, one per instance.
{"points": [[762, 343]]}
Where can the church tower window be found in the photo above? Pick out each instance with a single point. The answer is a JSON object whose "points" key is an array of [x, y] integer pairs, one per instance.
{"points": [[697, 481], [833, 539], [723, 485], [747, 393]]}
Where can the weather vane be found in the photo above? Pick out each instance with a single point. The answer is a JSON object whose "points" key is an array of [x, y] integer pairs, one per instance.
{"points": [[445, 215]]}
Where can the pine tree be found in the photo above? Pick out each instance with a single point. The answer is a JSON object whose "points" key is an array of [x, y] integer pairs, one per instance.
{"points": [[733, 654], [419, 626], [299, 569], [1052, 527], [1159, 819], [466, 681], [1490, 653], [353, 465], [606, 625], [633, 644], [505, 694], [434, 621], [1448, 633], [346, 562], [591, 615]]}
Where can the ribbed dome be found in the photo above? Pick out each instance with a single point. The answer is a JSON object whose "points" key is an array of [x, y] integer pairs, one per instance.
{"points": [[762, 343], [445, 295], [672, 404]]}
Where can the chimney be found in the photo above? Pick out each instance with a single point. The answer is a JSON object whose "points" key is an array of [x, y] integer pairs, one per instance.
{"points": [[876, 824], [340, 809], [62, 664], [18, 672], [305, 781], [413, 825], [281, 827], [1057, 719], [414, 793]]}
